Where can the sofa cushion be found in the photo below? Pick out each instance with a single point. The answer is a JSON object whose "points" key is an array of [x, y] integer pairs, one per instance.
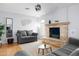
{"points": [[65, 51], [27, 36], [29, 33], [23, 33], [70, 47], [60, 53]]}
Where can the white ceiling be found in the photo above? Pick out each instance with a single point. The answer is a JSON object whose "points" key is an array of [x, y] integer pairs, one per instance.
{"points": [[20, 8]]}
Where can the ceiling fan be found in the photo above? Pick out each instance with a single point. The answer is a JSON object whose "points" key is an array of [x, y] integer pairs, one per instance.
{"points": [[38, 7]]}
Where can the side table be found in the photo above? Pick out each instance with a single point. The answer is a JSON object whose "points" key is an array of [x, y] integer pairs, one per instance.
{"points": [[10, 40]]}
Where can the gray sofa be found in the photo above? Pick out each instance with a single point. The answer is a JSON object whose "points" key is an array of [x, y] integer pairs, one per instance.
{"points": [[68, 49], [24, 36]]}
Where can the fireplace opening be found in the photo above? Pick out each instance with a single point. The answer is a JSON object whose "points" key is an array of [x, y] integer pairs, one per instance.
{"points": [[54, 32]]}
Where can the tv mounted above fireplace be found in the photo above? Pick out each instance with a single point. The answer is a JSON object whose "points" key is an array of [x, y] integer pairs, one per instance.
{"points": [[54, 32]]}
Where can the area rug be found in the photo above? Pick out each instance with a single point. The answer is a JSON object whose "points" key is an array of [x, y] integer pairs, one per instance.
{"points": [[32, 48]]}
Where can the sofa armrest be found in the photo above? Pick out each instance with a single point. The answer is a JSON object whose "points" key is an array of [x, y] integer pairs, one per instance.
{"points": [[75, 52], [74, 41], [34, 34]]}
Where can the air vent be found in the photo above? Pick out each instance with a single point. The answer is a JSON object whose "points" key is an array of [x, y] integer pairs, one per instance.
{"points": [[27, 8]]}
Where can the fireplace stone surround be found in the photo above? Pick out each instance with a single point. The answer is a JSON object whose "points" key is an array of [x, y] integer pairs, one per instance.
{"points": [[63, 33]]}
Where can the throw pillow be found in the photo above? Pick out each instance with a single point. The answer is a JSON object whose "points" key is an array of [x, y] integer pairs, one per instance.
{"points": [[23, 33], [30, 32]]}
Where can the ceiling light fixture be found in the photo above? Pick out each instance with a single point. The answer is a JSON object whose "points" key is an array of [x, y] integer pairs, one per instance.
{"points": [[42, 21], [38, 7]]}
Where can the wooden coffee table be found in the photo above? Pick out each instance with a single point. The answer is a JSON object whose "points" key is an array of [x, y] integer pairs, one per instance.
{"points": [[44, 47]]}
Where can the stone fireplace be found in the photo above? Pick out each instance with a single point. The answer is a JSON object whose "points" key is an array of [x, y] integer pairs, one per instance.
{"points": [[57, 32]]}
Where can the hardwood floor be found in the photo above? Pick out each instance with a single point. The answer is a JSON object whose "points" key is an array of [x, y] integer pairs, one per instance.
{"points": [[9, 50], [29, 48]]}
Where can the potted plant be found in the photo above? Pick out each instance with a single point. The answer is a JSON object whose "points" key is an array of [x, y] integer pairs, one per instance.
{"points": [[1, 30]]}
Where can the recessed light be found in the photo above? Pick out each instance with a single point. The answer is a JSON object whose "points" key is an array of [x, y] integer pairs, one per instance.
{"points": [[42, 21]]}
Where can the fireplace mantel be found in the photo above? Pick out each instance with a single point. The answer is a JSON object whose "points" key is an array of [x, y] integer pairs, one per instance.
{"points": [[63, 31], [58, 23]]}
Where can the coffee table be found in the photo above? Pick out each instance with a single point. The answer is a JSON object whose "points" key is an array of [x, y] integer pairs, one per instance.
{"points": [[44, 47]]}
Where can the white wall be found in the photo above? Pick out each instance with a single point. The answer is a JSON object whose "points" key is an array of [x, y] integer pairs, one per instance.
{"points": [[70, 14], [74, 21], [20, 22]]}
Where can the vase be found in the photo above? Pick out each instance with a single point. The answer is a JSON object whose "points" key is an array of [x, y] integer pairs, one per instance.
{"points": [[49, 21]]}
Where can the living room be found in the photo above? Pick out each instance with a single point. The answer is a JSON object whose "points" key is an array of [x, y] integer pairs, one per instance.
{"points": [[33, 20]]}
